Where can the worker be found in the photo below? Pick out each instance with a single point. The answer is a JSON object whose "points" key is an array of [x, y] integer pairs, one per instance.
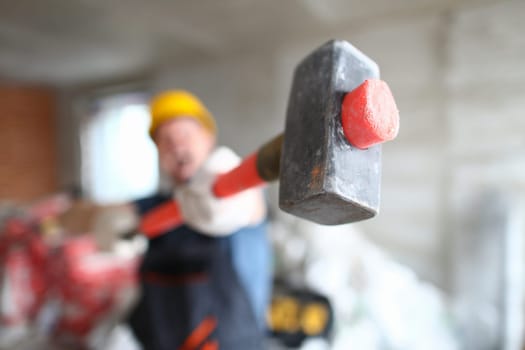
{"points": [[205, 284]]}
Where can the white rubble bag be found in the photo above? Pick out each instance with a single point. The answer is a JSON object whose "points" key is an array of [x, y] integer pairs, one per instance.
{"points": [[378, 303]]}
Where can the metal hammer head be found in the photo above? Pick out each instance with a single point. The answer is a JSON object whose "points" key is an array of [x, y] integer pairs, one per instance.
{"points": [[323, 177]]}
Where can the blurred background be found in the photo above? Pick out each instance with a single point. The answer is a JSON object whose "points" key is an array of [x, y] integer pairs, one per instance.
{"points": [[439, 268]]}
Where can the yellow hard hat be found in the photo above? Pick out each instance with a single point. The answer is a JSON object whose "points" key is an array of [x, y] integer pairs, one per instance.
{"points": [[176, 104]]}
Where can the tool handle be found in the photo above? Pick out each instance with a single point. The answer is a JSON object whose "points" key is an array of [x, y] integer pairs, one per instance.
{"points": [[256, 169], [161, 219]]}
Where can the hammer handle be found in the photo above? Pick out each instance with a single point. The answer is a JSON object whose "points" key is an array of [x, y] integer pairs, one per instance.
{"points": [[161, 219], [256, 169]]}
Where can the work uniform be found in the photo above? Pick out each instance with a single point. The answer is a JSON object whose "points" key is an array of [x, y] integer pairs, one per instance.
{"points": [[202, 292]]}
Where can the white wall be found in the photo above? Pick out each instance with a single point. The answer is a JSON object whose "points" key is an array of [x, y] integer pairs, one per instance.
{"points": [[459, 81]]}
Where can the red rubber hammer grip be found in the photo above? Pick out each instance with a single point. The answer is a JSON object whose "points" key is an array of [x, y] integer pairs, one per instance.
{"points": [[242, 177]]}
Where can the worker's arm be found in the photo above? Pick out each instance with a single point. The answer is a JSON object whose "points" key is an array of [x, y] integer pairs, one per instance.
{"points": [[213, 216], [113, 222], [106, 222]]}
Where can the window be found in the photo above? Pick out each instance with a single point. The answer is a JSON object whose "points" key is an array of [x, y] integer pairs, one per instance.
{"points": [[119, 160]]}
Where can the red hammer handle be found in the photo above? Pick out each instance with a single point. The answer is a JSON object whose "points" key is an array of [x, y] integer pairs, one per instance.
{"points": [[161, 219], [167, 216], [238, 179], [254, 170]]}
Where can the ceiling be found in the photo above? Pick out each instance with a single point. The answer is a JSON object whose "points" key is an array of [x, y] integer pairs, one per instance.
{"points": [[71, 41]]}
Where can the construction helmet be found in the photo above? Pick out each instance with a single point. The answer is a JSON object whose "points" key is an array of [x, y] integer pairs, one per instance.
{"points": [[179, 104]]}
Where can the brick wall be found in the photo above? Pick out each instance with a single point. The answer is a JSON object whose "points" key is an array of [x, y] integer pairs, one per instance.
{"points": [[28, 159]]}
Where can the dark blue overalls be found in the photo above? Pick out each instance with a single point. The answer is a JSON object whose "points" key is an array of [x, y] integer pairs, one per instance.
{"points": [[201, 292]]}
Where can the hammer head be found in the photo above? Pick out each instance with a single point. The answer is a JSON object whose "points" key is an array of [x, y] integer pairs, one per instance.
{"points": [[323, 177]]}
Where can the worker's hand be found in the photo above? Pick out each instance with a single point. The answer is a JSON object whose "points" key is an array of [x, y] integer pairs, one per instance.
{"points": [[208, 214]]}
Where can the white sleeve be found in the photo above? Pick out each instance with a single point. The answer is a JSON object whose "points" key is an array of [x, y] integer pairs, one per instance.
{"points": [[208, 214]]}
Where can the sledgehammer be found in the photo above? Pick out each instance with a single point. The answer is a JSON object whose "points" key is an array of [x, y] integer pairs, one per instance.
{"points": [[328, 160]]}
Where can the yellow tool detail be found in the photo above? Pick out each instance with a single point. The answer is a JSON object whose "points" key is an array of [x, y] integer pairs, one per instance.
{"points": [[313, 319], [283, 315], [288, 315]]}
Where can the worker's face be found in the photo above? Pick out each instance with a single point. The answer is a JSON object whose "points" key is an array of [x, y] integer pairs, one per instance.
{"points": [[183, 146]]}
